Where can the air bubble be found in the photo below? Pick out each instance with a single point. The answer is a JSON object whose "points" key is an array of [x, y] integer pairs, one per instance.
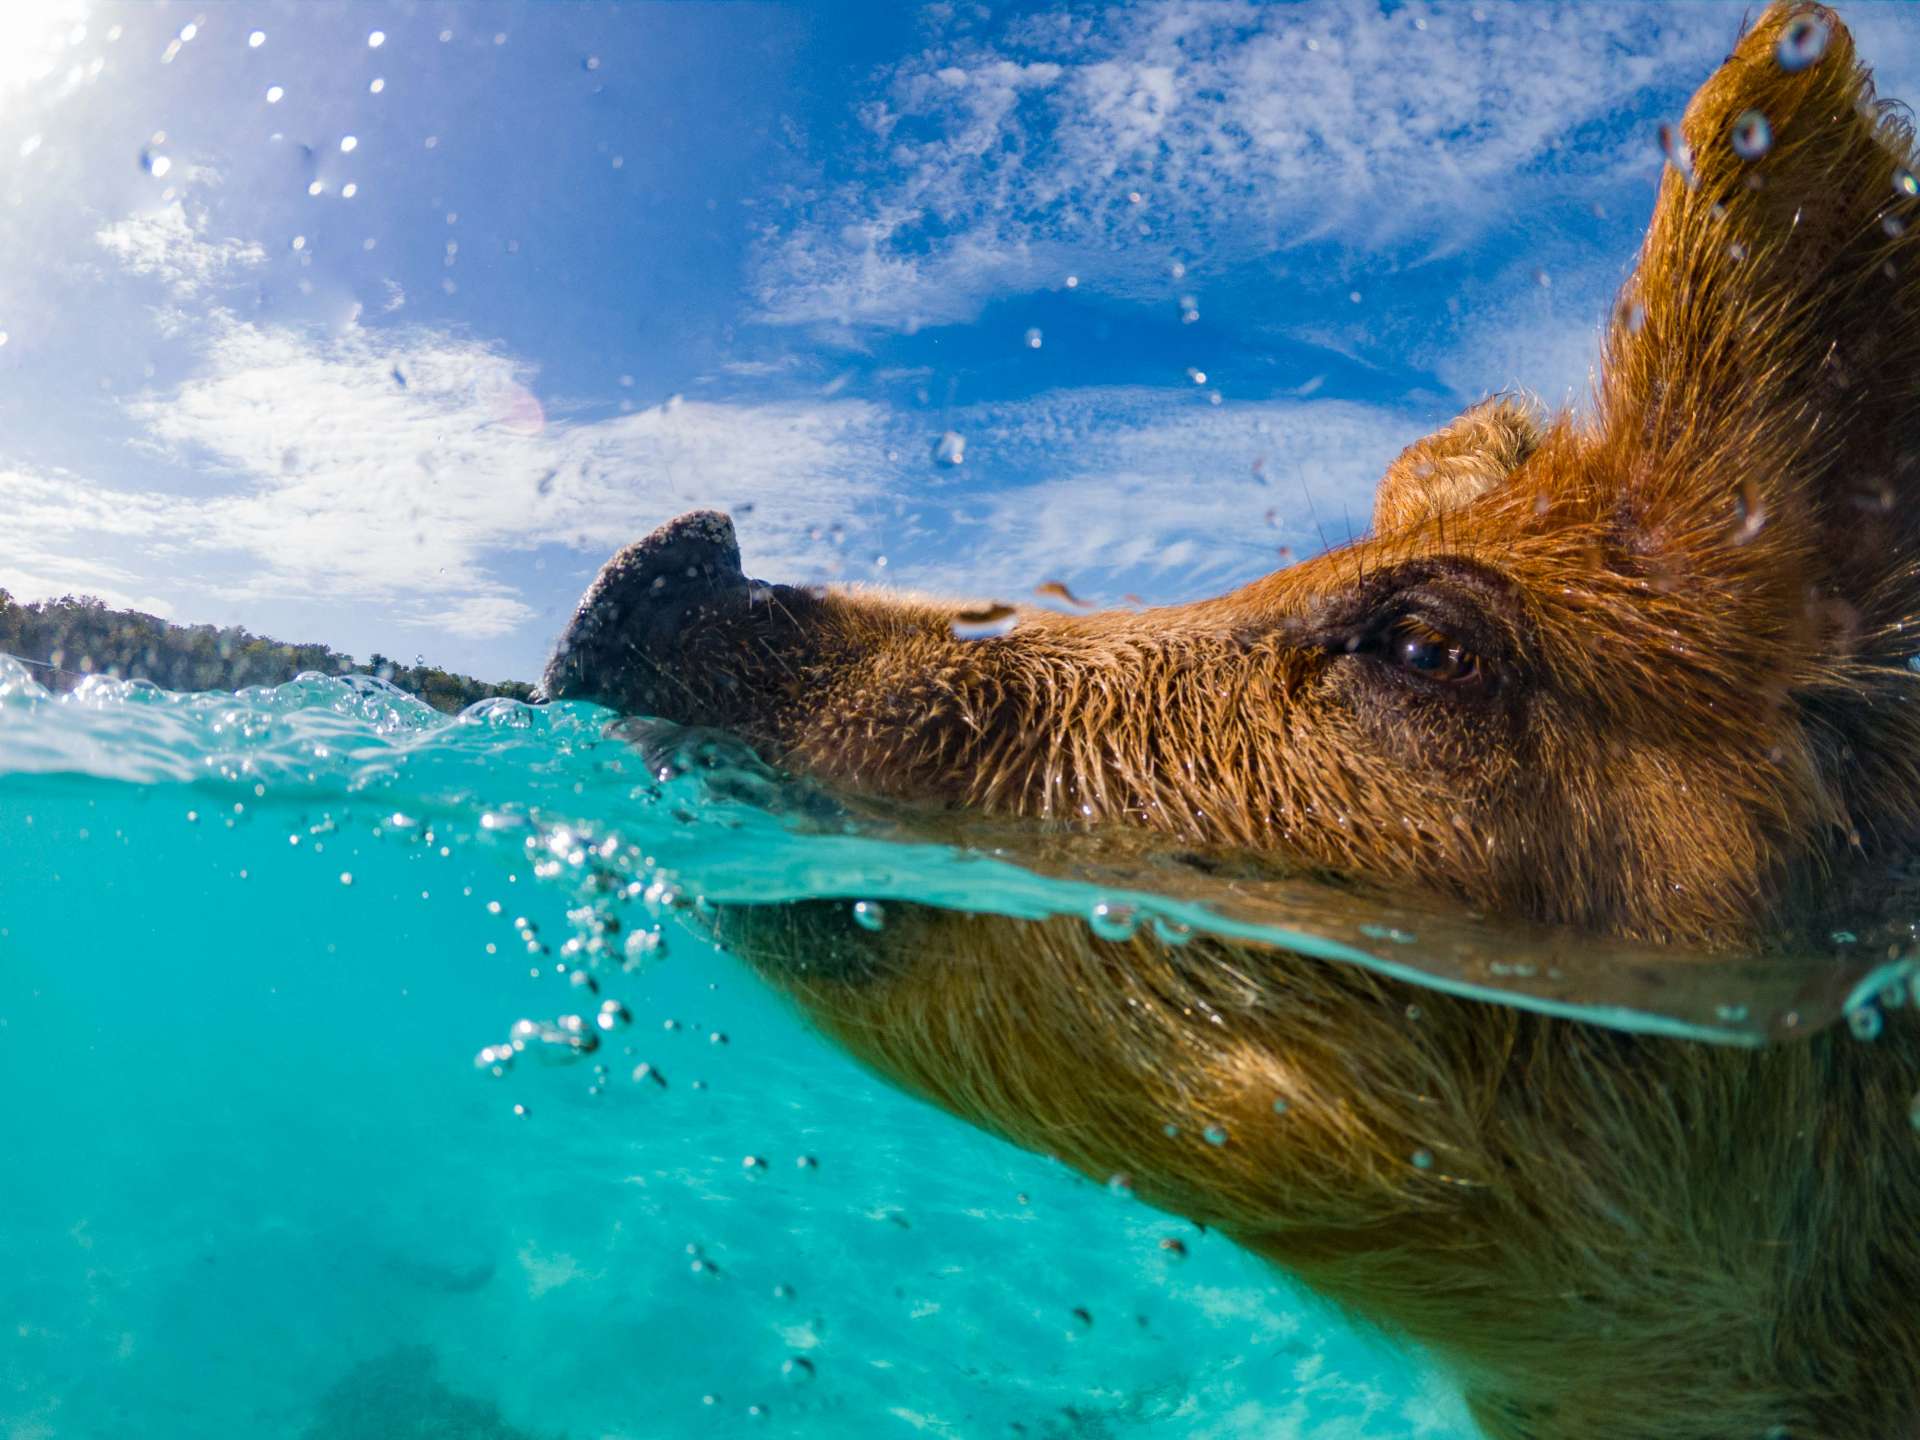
{"points": [[1803, 41], [376, 38], [1752, 135], [256, 39], [275, 94], [796, 1369], [869, 914], [1111, 920], [1033, 337], [1214, 1135], [1866, 1023], [155, 165], [1423, 1159], [950, 449], [349, 144], [1904, 183]]}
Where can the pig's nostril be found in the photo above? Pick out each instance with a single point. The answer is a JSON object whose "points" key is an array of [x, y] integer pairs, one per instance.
{"points": [[640, 600]]}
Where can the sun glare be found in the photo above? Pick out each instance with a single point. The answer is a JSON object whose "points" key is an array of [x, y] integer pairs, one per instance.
{"points": [[41, 39]]}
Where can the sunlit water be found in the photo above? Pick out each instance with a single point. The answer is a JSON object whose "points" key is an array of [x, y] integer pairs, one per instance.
{"points": [[261, 1179]]}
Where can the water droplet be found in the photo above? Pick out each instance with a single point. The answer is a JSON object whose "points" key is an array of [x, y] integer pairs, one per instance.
{"points": [[1189, 309], [869, 914], [753, 1163], [1214, 1134], [1913, 1112], [807, 1162], [1423, 1159], [349, 190], [495, 1059], [1752, 135], [1175, 1247], [796, 1369], [582, 980], [346, 877], [376, 38], [950, 449], [1282, 1105], [1111, 920], [256, 39], [1198, 377], [1033, 337], [1631, 315], [1121, 1185], [1073, 282], [274, 94], [1866, 1022], [299, 242], [985, 622], [1904, 183], [613, 1016], [376, 85], [349, 144], [316, 187], [155, 165], [1749, 513], [1679, 154], [1844, 937], [522, 1111], [1803, 41]]}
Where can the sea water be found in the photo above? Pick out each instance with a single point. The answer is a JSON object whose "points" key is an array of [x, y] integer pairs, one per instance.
{"points": [[273, 1166]]}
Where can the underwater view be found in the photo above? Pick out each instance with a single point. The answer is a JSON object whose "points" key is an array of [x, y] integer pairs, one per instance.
{"points": [[283, 1162], [1190, 720]]}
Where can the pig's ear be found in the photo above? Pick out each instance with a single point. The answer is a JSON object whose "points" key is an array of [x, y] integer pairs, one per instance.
{"points": [[1761, 386], [1451, 466]]}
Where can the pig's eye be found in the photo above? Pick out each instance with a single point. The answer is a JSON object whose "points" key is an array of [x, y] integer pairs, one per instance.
{"points": [[1412, 644]]}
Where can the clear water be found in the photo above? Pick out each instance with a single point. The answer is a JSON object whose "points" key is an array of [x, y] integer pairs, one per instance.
{"points": [[256, 1184]]}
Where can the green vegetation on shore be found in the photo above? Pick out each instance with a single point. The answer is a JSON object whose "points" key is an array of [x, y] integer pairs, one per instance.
{"points": [[68, 639]]}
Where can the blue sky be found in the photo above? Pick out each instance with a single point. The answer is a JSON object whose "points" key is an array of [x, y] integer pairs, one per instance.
{"points": [[1185, 277]]}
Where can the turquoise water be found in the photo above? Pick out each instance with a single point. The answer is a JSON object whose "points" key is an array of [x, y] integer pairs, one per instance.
{"points": [[256, 1184]]}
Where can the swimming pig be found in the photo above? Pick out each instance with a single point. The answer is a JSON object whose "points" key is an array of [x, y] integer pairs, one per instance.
{"points": [[1643, 673]]}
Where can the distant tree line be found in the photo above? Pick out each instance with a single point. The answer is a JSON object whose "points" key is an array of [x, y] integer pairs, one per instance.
{"points": [[65, 640]]}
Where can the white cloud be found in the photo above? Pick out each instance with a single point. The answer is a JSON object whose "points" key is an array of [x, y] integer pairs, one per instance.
{"points": [[402, 471], [1123, 136], [172, 245]]}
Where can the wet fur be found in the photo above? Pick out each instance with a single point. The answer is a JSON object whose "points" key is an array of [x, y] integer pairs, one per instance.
{"points": [[1697, 603]]}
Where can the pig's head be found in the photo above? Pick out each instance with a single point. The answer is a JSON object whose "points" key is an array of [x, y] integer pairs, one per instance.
{"points": [[1643, 671]]}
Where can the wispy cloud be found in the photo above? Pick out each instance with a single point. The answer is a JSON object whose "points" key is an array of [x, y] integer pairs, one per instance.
{"points": [[1118, 490], [996, 159], [172, 245]]}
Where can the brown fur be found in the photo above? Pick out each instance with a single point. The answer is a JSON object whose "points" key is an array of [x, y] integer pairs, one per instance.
{"points": [[1692, 723]]}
